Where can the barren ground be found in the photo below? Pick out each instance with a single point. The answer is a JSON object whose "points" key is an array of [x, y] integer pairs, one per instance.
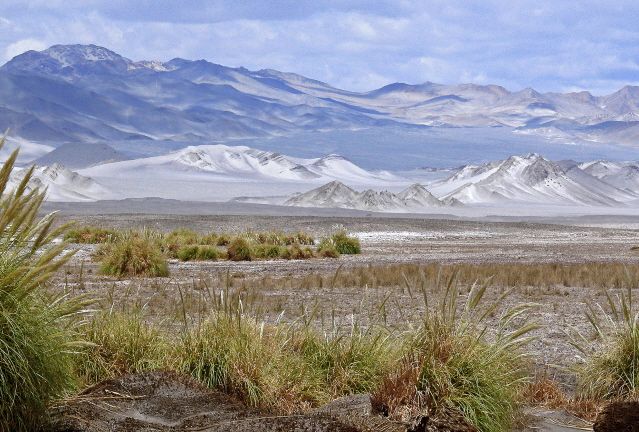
{"points": [[283, 287]]}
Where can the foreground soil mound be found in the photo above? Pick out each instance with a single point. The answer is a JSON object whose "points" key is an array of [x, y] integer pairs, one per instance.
{"points": [[164, 401], [167, 401], [618, 417]]}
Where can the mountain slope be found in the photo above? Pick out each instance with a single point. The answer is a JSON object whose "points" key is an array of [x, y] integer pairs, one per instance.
{"points": [[337, 195], [529, 179], [62, 184], [86, 93]]}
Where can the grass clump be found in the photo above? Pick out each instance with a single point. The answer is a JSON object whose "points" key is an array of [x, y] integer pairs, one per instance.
{"points": [[451, 364], [232, 353], [37, 331], [612, 371], [282, 367], [349, 363], [120, 342], [133, 255], [296, 252], [90, 235], [268, 251], [327, 249], [239, 250], [198, 253], [345, 244]]}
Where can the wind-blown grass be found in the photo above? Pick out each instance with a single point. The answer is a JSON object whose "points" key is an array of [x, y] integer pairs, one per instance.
{"points": [[133, 255], [121, 343], [36, 330], [612, 371], [452, 363]]}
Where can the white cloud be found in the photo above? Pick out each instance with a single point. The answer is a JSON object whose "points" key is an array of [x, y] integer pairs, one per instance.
{"points": [[21, 46]]}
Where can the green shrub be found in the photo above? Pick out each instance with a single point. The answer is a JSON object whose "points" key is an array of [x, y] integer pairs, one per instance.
{"points": [[121, 343], [239, 250], [327, 249], [90, 235], [612, 370], [268, 251], [346, 244], [200, 253], [133, 256], [37, 331]]}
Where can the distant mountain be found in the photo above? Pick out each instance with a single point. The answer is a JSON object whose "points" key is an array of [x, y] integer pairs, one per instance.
{"points": [[530, 179], [61, 183], [80, 155], [86, 93], [335, 194], [238, 162], [622, 175]]}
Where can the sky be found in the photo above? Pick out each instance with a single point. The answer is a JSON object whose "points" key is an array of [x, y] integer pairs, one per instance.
{"points": [[558, 45]]}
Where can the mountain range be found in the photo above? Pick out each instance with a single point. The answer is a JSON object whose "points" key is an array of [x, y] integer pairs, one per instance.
{"points": [[89, 94]]}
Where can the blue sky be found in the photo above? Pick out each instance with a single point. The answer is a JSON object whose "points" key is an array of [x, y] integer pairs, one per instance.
{"points": [[359, 45]]}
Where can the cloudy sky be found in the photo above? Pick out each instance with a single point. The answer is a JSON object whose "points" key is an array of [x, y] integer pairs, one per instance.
{"points": [[551, 45]]}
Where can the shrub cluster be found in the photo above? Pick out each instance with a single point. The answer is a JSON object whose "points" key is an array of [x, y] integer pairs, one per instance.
{"points": [[37, 330], [133, 255], [90, 235]]}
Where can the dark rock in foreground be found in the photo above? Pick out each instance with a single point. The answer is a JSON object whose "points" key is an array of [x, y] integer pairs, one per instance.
{"points": [[618, 417]]}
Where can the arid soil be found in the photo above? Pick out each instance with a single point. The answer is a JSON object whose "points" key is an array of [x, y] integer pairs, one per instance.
{"points": [[384, 241]]}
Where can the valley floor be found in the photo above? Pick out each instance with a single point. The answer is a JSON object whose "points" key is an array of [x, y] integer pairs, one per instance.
{"points": [[357, 288]]}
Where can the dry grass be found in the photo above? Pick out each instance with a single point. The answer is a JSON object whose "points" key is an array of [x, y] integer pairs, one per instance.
{"points": [[426, 276], [545, 392]]}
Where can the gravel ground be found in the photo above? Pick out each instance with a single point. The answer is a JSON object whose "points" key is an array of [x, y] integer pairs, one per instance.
{"points": [[384, 241]]}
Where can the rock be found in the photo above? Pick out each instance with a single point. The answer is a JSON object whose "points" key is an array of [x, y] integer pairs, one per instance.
{"points": [[618, 417]]}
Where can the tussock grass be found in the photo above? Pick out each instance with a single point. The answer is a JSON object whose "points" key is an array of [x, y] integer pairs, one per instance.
{"points": [[268, 251], [346, 244], [239, 250], [297, 252], [612, 371], [90, 235], [37, 331], [281, 367], [451, 363], [119, 343], [327, 249], [199, 253], [133, 255]]}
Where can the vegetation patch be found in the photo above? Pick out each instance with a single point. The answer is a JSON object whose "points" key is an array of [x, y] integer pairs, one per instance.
{"points": [[37, 331], [90, 235], [451, 363], [133, 256], [199, 253], [345, 244], [612, 371], [120, 343], [239, 250]]}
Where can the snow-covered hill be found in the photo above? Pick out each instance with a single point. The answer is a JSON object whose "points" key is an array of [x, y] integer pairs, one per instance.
{"points": [[529, 179], [622, 175], [61, 184], [240, 163], [415, 198]]}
